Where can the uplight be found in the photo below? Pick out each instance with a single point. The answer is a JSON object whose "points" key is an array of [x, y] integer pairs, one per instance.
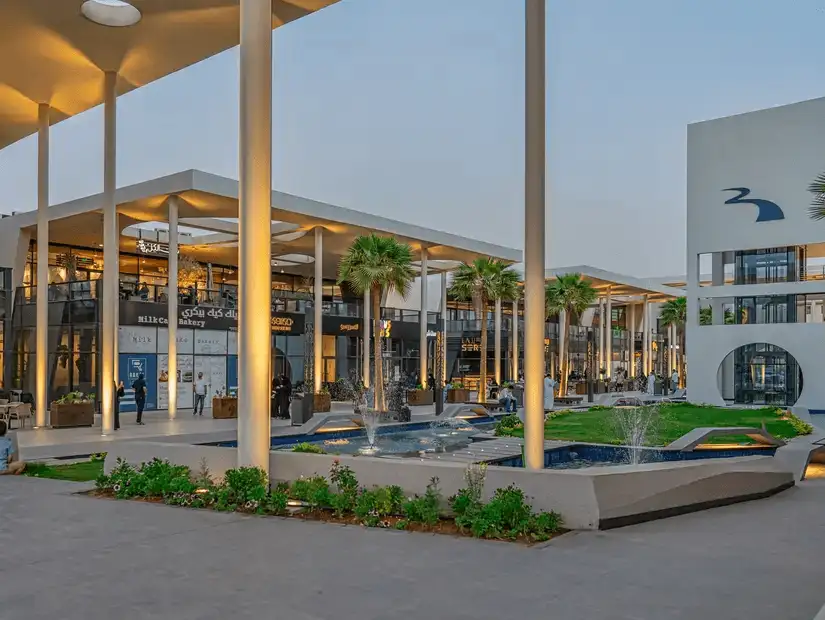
{"points": [[115, 13]]}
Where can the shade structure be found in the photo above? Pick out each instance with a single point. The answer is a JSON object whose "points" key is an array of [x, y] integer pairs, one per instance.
{"points": [[50, 53]]}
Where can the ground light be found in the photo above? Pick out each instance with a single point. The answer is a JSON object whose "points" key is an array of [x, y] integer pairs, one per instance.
{"points": [[115, 13]]}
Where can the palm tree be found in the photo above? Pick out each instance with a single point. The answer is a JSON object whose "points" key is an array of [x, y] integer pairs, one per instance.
{"points": [[377, 264], [706, 316], [572, 294], [674, 312], [482, 281], [817, 209]]}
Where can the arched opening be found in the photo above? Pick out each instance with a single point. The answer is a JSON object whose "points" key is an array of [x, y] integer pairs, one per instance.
{"points": [[760, 374]]}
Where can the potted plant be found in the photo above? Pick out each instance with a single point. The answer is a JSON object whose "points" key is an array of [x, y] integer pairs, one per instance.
{"points": [[73, 409], [419, 396], [224, 406], [322, 402], [457, 393]]}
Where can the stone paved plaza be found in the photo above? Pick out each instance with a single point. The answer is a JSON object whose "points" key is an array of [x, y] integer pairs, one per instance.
{"points": [[70, 557]]}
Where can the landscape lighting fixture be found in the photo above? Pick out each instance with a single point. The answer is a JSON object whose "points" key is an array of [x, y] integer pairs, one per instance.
{"points": [[115, 13]]}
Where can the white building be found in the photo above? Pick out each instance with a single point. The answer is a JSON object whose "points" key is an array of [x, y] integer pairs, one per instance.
{"points": [[755, 327]]}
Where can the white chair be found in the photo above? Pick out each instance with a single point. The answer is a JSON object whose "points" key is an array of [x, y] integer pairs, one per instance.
{"points": [[21, 413]]}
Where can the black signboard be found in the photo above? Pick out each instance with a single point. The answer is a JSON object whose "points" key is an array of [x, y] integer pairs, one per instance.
{"points": [[202, 317], [343, 326]]}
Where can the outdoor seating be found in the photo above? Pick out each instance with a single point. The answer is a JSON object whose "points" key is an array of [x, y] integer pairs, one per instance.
{"points": [[20, 412]]}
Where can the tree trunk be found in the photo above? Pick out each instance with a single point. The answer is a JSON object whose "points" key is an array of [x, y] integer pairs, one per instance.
{"points": [[378, 341], [564, 333], [482, 390]]}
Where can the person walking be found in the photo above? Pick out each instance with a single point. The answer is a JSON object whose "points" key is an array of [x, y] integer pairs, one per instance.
{"points": [[139, 386], [549, 397], [119, 393], [200, 386]]}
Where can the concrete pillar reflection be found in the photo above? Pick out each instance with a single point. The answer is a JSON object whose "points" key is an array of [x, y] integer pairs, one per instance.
{"points": [[254, 238]]}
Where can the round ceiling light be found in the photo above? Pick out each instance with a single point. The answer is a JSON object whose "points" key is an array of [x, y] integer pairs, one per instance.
{"points": [[116, 13]]}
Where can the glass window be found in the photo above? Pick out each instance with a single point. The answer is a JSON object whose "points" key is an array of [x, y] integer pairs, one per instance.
{"points": [[328, 346]]}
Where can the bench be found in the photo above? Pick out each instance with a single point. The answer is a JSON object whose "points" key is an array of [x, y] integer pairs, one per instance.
{"points": [[489, 405], [568, 400]]}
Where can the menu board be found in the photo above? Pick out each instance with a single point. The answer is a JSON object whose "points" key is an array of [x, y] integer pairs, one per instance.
{"points": [[186, 378], [213, 368]]}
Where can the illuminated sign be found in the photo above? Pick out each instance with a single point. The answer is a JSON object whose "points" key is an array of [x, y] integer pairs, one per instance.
{"points": [[282, 324], [470, 344], [153, 248], [349, 327], [386, 328]]}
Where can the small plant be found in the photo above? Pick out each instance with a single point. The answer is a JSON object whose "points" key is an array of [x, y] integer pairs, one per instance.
{"points": [[308, 448], [313, 490], [507, 424], [374, 505], [73, 398], [799, 426], [244, 488], [456, 385], [345, 481], [424, 508], [98, 456]]}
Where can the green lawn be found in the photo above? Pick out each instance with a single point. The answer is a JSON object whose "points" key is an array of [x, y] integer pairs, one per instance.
{"points": [[598, 425], [75, 472]]}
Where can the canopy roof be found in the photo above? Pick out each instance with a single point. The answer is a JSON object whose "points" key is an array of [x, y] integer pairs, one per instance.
{"points": [[50, 53], [619, 284], [207, 198]]}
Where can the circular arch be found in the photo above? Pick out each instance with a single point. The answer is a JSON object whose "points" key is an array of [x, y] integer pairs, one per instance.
{"points": [[760, 373]]}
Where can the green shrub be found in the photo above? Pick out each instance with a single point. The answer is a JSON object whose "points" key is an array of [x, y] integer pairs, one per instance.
{"points": [[424, 508], [374, 505], [507, 424], [156, 478], [244, 488], [308, 448], [314, 491], [799, 426], [275, 503], [345, 481]]}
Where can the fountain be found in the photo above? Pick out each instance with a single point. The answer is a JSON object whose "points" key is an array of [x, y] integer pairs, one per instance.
{"points": [[637, 427]]}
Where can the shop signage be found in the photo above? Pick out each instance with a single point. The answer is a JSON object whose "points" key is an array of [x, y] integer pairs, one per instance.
{"points": [[152, 248], [767, 210], [343, 325], [202, 317], [470, 345]]}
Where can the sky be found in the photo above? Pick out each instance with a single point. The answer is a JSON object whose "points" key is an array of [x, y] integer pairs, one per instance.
{"points": [[413, 109]]}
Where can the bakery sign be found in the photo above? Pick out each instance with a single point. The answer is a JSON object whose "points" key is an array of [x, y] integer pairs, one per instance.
{"points": [[152, 248], [201, 317]]}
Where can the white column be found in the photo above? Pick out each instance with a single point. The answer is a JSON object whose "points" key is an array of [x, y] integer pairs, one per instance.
{"points": [[608, 334], [254, 241], [497, 342], [318, 341], [366, 337], [631, 345], [422, 321], [514, 337], [42, 301], [110, 254], [564, 331], [534, 235], [172, 206], [646, 336], [444, 328]]}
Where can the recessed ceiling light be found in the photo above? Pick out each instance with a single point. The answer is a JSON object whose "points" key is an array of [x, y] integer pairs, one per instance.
{"points": [[116, 13]]}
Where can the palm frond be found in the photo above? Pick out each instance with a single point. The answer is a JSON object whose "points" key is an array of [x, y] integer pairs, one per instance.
{"points": [[377, 262], [569, 292], [817, 187], [674, 312]]}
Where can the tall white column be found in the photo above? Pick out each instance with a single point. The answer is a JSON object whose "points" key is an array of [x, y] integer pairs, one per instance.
{"points": [[110, 254], [608, 334], [444, 328], [172, 206], [422, 322], [366, 337], [497, 342], [646, 336], [534, 235], [318, 342], [564, 332], [631, 345], [254, 241], [514, 337], [42, 300]]}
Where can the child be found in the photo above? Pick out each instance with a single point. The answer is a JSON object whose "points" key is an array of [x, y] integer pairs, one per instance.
{"points": [[9, 463]]}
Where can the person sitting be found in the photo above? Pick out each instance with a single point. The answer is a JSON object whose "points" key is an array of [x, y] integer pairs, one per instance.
{"points": [[507, 400], [10, 463], [143, 292]]}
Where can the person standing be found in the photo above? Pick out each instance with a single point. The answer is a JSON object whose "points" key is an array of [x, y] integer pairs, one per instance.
{"points": [[549, 397], [119, 393], [651, 382], [200, 386], [284, 396], [674, 380], [139, 386], [275, 406], [431, 384]]}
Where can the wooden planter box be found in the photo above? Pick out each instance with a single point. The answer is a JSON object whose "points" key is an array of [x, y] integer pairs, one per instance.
{"points": [[322, 403], [458, 396], [224, 407], [73, 414], [416, 398]]}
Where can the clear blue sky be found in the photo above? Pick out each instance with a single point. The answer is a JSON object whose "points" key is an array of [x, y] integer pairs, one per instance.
{"points": [[413, 109]]}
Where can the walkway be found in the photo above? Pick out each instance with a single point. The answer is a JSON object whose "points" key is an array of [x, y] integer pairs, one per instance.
{"points": [[76, 558]]}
